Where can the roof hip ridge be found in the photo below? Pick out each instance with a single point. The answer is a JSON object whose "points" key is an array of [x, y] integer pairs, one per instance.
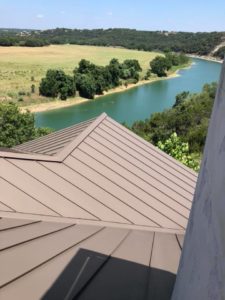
{"points": [[79, 139]]}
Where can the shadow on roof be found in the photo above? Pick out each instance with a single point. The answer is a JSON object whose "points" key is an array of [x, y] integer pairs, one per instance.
{"points": [[92, 275]]}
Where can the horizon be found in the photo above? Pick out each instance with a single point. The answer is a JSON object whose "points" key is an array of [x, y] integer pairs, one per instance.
{"points": [[144, 15], [105, 29]]}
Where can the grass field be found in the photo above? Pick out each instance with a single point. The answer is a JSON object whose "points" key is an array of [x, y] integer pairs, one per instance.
{"points": [[19, 64]]}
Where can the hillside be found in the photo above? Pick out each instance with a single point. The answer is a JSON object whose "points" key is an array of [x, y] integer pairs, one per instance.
{"points": [[201, 43]]}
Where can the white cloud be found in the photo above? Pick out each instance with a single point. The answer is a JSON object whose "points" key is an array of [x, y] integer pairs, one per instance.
{"points": [[62, 12], [40, 16], [109, 13]]}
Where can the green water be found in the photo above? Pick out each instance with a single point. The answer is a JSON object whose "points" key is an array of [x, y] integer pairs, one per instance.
{"points": [[138, 103]]}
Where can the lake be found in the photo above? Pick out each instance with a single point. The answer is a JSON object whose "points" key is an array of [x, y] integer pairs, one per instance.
{"points": [[137, 103]]}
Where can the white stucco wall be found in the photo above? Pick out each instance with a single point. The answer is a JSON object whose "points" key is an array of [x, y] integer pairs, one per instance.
{"points": [[201, 274]]}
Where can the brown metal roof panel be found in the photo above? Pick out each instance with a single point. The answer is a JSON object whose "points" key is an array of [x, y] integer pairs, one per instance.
{"points": [[67, 150], [6, 224], [129, 181], [137, 247], [148, 146], [4, 207], [14, 263], [22, 234], [30, 186], [66, 204], [4, 149], [103, 243], [103, 153], [166, 253], [164, 263], [111, 208], [20, 201], [37, 190], [180, 240], [41, 146], [146, 156], [146, 204], [56, 135], [125, 274], [74, 263], [54, 138], [89, 260], [111, 189], [137, 161]]}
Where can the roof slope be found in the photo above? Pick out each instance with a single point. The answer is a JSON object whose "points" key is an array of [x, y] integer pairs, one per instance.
{"points": [[69, 261], [51, 144], [105, 176]]}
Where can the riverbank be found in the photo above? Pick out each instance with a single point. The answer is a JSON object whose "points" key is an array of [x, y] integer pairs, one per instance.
{"points": [[57, 104], [136, 104], [206, 57]]}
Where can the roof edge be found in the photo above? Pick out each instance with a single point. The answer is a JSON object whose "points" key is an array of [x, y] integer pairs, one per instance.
{"points": [[26, 156], [65, 220]]}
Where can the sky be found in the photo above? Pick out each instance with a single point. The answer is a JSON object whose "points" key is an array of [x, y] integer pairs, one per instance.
{"points": [[172, 15]]}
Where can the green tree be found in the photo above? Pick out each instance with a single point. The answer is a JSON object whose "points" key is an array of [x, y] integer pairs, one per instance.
{"points": [[85, 66], [114, 69], [178, 149], [147, 75], [159, 66], [87, 87], [180, 98], [17, 127], [57, 84], [132, 63]]}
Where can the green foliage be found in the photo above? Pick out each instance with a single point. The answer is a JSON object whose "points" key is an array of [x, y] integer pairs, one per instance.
{"points": [[148, 75], [34, 42], [57, 84], [91, 79], [201, 43], [159, 66], [130, 70], [86, 86], [178, 149], [132, 64], [114, 69], [17, 127], [189, 118], [180, 98]]}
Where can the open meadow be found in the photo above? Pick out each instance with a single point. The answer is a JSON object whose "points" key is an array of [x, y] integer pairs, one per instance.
{"points": [[22, 67]]}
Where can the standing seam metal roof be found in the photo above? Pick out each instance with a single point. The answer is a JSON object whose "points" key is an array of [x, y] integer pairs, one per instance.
{"points": [[47, 260], [91, 212], [106, 174], [54, 142]]}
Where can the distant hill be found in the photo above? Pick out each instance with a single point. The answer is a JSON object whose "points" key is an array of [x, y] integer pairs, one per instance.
{"points": [[201, 43]]}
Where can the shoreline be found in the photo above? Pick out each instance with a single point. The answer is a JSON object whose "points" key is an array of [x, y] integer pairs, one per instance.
{"points": [[58, 104], [205, 57]]}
